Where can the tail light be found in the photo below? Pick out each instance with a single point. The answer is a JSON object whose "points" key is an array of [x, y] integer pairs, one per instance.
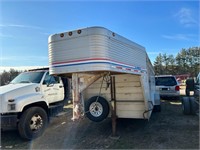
{"points": [[177, 88]]}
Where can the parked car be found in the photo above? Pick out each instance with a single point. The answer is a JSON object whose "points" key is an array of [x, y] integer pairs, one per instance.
{"points": [[168, 86]]}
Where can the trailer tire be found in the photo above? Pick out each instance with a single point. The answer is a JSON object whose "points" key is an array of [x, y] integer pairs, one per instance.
{"points": [[32, 123], [97, 108], [193, 106], [186, 105]]}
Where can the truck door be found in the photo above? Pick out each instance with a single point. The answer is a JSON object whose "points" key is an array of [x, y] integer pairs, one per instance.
{"points": [[53, 88]]}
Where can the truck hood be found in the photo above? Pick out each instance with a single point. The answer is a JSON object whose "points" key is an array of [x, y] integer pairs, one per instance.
{"points": [[16, 92], [17, 87]]}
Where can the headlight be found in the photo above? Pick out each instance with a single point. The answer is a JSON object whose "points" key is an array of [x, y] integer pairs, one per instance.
{"points": [[11, 104]]}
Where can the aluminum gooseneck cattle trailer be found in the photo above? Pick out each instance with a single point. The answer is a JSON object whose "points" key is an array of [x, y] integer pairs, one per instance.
{"points": [[110, 74]]}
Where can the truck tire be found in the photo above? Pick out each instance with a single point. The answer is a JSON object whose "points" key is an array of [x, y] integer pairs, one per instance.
{"points": [[32, 123], [97, 108], [157, 108], [193, 106], [186, 105]]}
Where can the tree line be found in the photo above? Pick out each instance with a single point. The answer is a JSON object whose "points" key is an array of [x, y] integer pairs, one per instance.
{"points": [[7, 76], [187, 61]]}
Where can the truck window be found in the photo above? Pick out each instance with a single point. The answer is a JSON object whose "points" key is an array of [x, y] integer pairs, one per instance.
{"points": [[51, 79]]}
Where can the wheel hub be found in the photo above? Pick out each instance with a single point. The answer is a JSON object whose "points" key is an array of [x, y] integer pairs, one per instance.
{"points": [[36, 122], [96, 109]]}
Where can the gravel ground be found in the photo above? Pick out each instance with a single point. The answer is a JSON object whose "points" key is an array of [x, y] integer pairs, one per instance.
{"points": [[168, 129]]}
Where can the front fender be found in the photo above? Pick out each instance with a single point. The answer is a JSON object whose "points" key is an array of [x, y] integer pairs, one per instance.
{"points": [[28, 99]]}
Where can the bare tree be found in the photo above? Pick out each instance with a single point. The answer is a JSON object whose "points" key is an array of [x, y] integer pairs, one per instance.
{"points": [[8, 76]]}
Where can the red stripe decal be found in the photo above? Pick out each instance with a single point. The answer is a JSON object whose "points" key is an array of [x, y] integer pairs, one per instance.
{"points": [[118, 67], [88, 59]]}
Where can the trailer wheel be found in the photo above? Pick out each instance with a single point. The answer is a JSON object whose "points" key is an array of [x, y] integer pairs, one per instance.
{"points": [[186, 105], [32, 123], [193, 106], [97, 108]]}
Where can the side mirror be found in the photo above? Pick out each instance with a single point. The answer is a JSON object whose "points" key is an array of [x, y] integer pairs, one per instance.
{"points": [[50, 84]]}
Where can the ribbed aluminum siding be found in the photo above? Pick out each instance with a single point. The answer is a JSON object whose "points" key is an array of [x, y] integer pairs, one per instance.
{"points": [[93, 43]]}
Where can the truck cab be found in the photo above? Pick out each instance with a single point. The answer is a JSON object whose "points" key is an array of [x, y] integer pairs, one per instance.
{"points": [[30, 99]]}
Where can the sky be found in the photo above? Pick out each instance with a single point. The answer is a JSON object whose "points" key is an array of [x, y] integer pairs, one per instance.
{"points": [[160, 26]]}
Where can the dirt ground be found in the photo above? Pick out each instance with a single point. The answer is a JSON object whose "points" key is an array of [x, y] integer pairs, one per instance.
{"points": [[168, 129]]}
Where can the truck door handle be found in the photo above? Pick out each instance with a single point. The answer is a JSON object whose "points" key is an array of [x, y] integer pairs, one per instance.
{"points": [[60, 86]]}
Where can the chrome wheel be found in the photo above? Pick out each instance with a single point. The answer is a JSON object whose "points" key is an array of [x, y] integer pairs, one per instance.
{"points": [[36, 122], [96, 109]]}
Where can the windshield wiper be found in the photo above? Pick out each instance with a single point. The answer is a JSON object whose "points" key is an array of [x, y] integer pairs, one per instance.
{"points": [[24, 82]]}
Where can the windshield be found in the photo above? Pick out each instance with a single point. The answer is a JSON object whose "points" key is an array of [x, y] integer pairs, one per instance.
{"points": [[165, 81], [28, 77]]}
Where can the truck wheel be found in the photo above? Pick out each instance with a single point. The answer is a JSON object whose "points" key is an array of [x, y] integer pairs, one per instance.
{"points": [[97, 108], [193, 106], [186, 105], [32, 123]]}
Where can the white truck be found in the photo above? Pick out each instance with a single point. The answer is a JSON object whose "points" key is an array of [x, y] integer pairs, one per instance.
{"points": [[111, 75], [28, 102]]}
